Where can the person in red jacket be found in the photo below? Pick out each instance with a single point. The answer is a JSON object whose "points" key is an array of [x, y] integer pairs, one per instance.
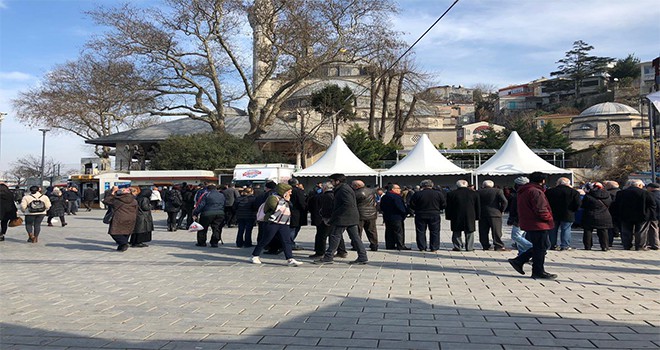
{"points": [[535, 217]]}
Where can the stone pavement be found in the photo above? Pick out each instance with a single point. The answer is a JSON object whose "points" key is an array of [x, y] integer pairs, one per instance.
{"points": [[72, 290]]}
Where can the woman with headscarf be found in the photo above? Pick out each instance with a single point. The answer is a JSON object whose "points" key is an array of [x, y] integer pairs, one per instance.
{"points": [[34, 205], [57, 207], [8, 209], [144, 222], [122, 224], [596, 216], [173, 201]]}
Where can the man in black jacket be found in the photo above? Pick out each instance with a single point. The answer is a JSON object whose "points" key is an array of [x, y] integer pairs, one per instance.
{"points": [[493, 203], [564, 202], [366, 203], [635, 208], [345, 217], [463, 208], [88, 197], [427, 203], [298, 210]]}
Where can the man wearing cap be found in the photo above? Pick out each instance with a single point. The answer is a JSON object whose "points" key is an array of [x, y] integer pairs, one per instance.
{"points": [[653, 241], [345, 217], [493, 203], [535, 217], [428, 204]]}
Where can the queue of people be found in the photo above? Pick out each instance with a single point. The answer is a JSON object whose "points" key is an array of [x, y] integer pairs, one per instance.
{"points": [[541, 219]]}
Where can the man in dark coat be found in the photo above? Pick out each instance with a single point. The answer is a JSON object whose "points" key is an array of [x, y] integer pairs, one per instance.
{"points": [[211, 213], [636, 208], [653, 239], [612, 188], [298, 207], [596, 216], [535, 217], [366, 202], [231, 194], [88, 197], [564, 201], [427, 203], [463, 208], [345, 217], [394, 213], [492, 203]]}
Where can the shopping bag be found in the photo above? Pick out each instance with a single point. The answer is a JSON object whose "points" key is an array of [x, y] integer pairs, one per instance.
{"points": [[195, 226]]}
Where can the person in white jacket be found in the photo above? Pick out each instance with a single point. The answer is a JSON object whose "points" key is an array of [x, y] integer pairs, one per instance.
{"points": [[155, 198], [34, 205]]}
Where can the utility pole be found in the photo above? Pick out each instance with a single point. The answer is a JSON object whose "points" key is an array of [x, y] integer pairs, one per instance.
{"points": [[43, 156]]}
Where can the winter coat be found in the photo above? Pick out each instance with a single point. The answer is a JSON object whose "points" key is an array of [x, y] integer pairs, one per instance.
{"points": [[492, 202], [28, 198], [463, 208], [393, 207], [635, 205], [231, 194], [212, 203], [173, 201], [428, 203], [513, 208], [366, 203], [327, 202], [314, 208], [613, 209], [57, 205], [344, 210], [71, 195], [89, 194], [7, 205], [564, 201], [298, 207], [596, 214], [245, 209], [656, 197], [188, 197], [534, 212], [124, 208], [144, 222]]}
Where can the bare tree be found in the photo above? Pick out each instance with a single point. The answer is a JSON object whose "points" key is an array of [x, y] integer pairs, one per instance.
{"points": [[199, 47], [30, 167], [90, 97]]}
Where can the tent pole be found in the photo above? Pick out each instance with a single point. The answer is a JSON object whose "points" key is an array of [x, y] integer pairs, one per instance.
{"points": [[652, 141]]}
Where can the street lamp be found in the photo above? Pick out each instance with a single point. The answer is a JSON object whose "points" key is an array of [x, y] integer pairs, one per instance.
{"points": [[43, 154]]}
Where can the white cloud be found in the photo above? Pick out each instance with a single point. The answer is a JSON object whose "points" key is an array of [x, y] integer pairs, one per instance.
{"points": [[15, 76]]}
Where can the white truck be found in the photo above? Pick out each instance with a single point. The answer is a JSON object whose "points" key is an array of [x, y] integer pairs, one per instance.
{"points": [[249, 174]]}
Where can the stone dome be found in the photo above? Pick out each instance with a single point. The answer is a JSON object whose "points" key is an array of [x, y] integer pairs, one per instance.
{"points": [[608, 108]]}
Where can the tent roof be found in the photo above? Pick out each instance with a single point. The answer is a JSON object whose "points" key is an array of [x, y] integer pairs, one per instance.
{"points": [[424, 159], [516, 158], [338, 158]]}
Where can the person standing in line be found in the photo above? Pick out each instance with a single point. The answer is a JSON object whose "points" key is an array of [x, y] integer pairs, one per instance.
{"points": [[173, 202], [144, 222], [394, 214], [88, 197], [124, 209], [653, 237], [635, 208], [564, 201], [612, 188], [535, 217], [155, 198], [246, 216], [188, 197], [57, 207], [298, 210], [277, 215], [320, 207], [366, 203], [345, 217], [211, 212], [492, 203], [8, 210], [517, 235], [427, 204], [231, 195], [596, 216], [463, 208]]}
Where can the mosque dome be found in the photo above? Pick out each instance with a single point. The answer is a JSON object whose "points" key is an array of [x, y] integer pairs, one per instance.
{"points": [[608, 108]]}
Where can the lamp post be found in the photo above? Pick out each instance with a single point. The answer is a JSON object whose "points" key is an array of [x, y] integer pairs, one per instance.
{"points": [[43, 155], [2, 117]]}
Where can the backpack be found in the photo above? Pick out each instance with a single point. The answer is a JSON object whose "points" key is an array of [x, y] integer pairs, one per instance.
{"points": [[36, 206], [176, 199], [261, 215]]}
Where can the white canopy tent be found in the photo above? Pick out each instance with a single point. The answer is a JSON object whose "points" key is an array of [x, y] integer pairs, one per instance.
{"points": [[515, 158], [338, 158], [424, 159]]}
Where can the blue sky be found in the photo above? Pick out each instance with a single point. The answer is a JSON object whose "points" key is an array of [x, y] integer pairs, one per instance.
{"points": [[499, 43]]}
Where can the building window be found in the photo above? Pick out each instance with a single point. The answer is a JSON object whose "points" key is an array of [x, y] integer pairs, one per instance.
{"points": [[415, 138], [614, 130]]}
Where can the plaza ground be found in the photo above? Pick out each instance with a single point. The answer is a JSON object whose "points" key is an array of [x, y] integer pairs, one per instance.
{"points": [[72, 290]]}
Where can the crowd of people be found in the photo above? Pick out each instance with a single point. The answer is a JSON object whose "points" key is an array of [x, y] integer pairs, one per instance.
{"points": [[540, 218]]}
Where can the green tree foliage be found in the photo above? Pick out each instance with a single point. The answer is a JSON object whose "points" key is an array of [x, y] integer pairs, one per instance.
{"points": [[334, 104], [578, 64], [626, 70], [549, 136], [206, 152], [368, 150]]}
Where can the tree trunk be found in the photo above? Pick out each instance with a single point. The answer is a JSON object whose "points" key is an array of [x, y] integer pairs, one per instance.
{"points": [[375, 87], [386, 95]]}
